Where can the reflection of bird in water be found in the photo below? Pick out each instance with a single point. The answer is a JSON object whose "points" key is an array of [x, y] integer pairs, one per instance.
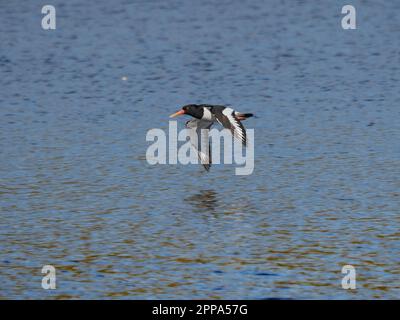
{"points": [[205, 200], [209, 201]]}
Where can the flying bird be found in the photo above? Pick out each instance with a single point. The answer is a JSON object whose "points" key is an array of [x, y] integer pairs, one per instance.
{"points": [[205, 115]]}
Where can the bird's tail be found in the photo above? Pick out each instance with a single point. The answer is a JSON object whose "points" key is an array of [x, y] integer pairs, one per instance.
{"points": [[243, 116]]}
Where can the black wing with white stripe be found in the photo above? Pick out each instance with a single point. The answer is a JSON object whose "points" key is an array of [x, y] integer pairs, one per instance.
{"points": [[198, 133], [228, 119]]}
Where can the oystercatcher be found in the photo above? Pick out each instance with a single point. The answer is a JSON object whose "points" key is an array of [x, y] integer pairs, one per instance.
{"points": [[205, 116]]}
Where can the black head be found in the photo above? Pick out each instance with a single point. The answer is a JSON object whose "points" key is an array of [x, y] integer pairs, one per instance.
{"points": [[193, 110]]}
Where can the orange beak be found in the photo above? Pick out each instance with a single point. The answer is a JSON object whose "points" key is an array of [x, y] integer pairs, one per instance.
{"points": [[179, 113]]}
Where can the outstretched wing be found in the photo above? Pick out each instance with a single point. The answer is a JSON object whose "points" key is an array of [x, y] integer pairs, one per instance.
{"points": [[227, 117], [198, 131]]}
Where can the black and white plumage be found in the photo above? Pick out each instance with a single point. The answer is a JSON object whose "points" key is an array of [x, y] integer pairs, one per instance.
{"points": [[198, 133], [205, 116], [229, 118]]}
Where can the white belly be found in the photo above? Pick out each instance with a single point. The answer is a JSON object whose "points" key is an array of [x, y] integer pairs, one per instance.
{"points": [[207, 115]]}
